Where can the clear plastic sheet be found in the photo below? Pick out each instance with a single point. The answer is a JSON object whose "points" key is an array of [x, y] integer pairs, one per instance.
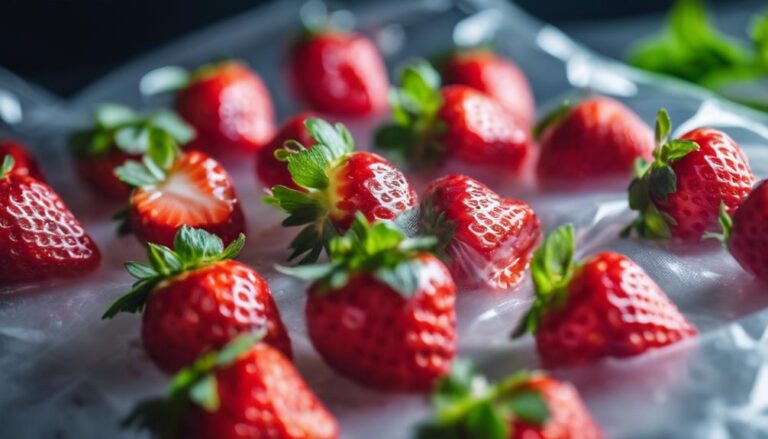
{"points": [[67, 374]]}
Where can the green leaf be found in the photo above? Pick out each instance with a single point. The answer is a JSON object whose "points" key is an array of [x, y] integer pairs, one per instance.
{"points": [[552, 118], [307, 272], [238, 346], [676, 149], [163, 259], [132, 139], [484, 422], [7, 165], [193, 245], [113, 115], [403, 277], [309, 168], [204, 393], [393, 137], [233, 249], [135, 300], [529, 405], [164, 79], [162, 151], [726, 224], [663, 126], [135, 174], [662, 182], [171, 123], [655, 224], [639, 196], [337, 139], [140, 271]]}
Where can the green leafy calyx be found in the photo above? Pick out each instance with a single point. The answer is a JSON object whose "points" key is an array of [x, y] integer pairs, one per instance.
{"points": [[467, 406], [153, 168], [192, 249], [726, 224], [655, 181], [193, 386], [379, 249], [552, 268], [119, 127], [415, 128], [6, 166], [310, 168]]}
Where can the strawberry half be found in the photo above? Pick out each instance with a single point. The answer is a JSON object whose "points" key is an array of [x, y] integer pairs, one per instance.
{"points": [[525, 405], [606, 306], [381, 312], [172, 190], [486, 240], [495, 76], [745, 235], [338, 72], [24, 163], [679, 194], [40, 237], [119, 134], [596, 140], [245, 390], [269, 170], [334, 184], [456, 123], [195, 299]]}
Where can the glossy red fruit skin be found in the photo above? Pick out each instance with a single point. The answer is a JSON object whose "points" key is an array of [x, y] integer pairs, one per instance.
{"points": [[25, 162], [599, 139], [40, 237], [493, 237], [479, 131], [201, 310], [272, 172], [748, 240], [373, 335], [263, 396], [159, 231], [495, 76], [337, 72], [367, 183], [568, 417], [613, 309], [717, 172], [230, 108], [98, 173]]}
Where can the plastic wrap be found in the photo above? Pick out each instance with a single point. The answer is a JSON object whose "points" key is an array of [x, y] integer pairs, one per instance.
{"points": [[67, 374]]}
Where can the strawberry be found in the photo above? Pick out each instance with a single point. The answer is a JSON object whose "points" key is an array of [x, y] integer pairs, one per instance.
{"points": [[335, 183], [745, 235], [246, 390], [525, 405], [338, 72], [457, 123], [172, 190], [679, 194], [486, 240], [381, 312], [25, 163], [596, 139], [271, 171], [495, 76], [606, 306], [195, 299], [40, 237], [119, 134]]}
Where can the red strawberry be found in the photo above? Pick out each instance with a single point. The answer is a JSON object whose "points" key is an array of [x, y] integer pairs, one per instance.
{"points": [[521, 406], [495, 76], [271, 171], [338, 72], [486, 240], [246, 390], [746, 236], [382, 311], [119, 134], [598, 138], [196, 300], [40, 237], [606, 306], [679, 194], [456, 124], [229, 106], [173, 190], [24, 162], [335, 183]]}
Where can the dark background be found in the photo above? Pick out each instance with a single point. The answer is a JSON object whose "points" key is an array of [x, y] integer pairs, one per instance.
{"points": [[65, 44]]}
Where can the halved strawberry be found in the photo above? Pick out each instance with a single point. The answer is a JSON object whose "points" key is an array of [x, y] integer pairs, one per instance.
{"points": [[271, 171], [172, 190], [119, 134], [455, 124], [24, 162], [526, 405], [335, 183]]}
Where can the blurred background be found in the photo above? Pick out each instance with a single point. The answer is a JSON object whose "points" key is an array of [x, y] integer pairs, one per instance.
{"points": [[65, 44]]}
